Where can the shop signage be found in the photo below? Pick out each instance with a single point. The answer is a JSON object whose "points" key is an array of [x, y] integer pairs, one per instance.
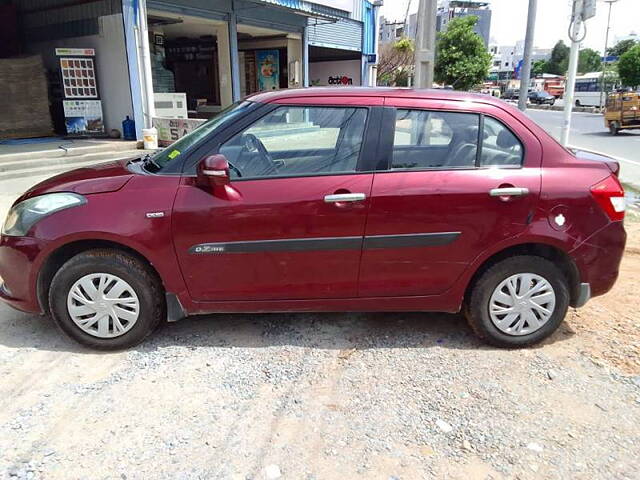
{"points": [[340, 80], [172, 129], [76, 52]]}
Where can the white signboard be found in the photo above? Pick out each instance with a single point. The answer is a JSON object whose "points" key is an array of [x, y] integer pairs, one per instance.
{"points": [[172, 129], [346, 5]]}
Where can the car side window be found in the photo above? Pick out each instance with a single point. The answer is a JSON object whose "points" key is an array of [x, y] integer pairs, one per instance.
{"points": [[432, 139], [293, 141], [500, 146]]}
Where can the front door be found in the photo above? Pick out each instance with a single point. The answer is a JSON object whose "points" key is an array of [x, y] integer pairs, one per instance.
{"points": [[457, 183], [294, 227]]}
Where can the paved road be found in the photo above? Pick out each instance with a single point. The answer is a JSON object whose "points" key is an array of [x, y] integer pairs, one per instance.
{"points": [[588, 132]]}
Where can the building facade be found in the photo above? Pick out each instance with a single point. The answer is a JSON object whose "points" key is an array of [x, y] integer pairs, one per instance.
{"points": [[391, 31], [507, 60], [188, 59]]}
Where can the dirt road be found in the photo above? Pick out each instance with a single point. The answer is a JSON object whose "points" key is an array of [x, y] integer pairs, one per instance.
{"points": [[319, 396]]}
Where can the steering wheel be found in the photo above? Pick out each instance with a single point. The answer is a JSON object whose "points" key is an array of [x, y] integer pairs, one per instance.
{"points": [[234, 168], [251, 143]]}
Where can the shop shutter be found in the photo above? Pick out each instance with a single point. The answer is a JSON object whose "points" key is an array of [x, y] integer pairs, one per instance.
{"points": [[343, 34]]}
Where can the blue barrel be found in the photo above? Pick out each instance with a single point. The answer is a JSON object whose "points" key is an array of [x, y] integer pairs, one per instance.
{"points": [[128, 129]]}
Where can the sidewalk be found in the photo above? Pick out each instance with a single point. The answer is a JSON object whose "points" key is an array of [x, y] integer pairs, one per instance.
{"points": [[55, 147]]}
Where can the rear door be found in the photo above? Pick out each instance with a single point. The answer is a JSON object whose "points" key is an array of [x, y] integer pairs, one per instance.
{"points": [[458, 179]]}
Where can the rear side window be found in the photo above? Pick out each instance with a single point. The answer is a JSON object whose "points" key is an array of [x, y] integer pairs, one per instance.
{"points": [[430, 139], [500, 147]]}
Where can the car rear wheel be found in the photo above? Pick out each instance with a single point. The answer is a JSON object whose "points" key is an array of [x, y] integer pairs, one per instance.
{"points": [[106, 299], [518, 301]]}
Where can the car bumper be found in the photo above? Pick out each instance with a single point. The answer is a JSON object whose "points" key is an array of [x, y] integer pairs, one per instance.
{"points": [[598, 258], [18, 272]]}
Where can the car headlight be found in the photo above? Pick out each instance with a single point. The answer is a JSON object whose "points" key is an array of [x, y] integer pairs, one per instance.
{"points": [[25, 214]]}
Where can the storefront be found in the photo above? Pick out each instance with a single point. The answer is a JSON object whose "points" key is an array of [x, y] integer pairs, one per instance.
{"points": [[105, 60]]}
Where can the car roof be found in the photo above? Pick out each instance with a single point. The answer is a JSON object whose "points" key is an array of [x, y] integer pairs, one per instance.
{"points": [[392, 92]]}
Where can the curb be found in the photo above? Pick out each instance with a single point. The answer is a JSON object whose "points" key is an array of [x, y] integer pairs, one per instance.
{"points": [[71, 151]]}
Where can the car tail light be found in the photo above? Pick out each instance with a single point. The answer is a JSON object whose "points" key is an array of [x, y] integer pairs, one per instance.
{"points": [[610, 196]]}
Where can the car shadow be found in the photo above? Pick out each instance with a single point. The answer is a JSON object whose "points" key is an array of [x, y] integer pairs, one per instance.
{"points": [[339, 331]]}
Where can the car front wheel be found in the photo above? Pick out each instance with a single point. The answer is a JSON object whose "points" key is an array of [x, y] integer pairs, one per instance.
{"points": [[518, 301], [106, 299]]}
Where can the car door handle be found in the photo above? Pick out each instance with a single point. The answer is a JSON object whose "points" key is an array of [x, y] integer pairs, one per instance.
{"points": [[344, 197], [509, 192]]}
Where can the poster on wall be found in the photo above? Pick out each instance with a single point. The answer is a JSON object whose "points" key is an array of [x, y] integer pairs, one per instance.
{"points": [[268, 69], [83, 116]]}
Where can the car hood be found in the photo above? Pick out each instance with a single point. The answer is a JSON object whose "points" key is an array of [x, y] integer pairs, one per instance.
{"points": [[103, 178]]}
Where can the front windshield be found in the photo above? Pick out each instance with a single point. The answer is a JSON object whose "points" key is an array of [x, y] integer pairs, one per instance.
{"points": [[177, 148]]}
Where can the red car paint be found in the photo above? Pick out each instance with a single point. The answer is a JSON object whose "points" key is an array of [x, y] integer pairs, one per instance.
{"points": [[397, 203]]}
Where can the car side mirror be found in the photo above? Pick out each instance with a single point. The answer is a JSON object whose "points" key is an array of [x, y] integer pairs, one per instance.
{"points": [[214, 171]]}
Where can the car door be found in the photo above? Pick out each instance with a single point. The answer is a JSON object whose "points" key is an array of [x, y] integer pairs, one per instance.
{"points": [[293, 227], [459, 179]]}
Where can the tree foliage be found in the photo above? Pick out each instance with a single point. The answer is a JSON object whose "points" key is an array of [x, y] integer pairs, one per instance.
{"points": [[589, 61], [396, 60], [559, 60], [629, 67], [462, 60], [538, 67], [622, 47]]}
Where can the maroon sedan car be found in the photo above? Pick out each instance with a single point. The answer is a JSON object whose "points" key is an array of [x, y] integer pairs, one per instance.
{"points": [[325, 200]]}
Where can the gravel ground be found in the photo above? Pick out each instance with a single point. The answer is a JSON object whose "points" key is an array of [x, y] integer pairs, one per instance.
{"points": [[317, 396]]}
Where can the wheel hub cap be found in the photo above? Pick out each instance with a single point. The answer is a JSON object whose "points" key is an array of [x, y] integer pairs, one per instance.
{"points": [[103, 305], [522, 304]]}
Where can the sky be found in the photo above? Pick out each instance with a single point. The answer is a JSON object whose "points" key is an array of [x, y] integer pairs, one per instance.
{"points": [[509, 21]]}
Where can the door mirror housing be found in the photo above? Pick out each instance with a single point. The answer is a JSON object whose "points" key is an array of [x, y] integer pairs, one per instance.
{"points": [[214, 171]]}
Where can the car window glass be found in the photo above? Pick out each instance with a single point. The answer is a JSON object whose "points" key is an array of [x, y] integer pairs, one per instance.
{"points": [[430, 139], [500, 146], [298, 141]]}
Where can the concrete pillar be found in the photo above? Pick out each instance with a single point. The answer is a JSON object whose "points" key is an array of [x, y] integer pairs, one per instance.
{"points": [[305, 57], [233, 51], [295, 59], [129, 15], [224, 66]]}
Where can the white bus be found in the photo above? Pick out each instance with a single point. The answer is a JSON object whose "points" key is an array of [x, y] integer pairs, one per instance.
{"points": [[589, 88]]}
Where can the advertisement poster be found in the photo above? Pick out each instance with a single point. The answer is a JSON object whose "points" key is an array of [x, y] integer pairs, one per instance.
{"points": [[268, 69], [83, 116]]}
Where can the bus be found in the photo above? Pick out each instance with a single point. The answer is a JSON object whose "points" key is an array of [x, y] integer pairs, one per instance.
{"points": [[588, 91]]}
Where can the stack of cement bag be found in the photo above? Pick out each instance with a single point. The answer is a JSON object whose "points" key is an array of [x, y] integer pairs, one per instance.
{"points": [[24, 101]]}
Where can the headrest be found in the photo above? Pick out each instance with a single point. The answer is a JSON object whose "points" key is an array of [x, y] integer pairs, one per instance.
{"points": [[506, 139]]}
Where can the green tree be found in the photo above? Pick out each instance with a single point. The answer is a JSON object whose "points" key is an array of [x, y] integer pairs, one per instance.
{"points": [[396, 59], [559, 60], [589, 61], [622, 47], [538, 68], [629, 67], [462, 60]]}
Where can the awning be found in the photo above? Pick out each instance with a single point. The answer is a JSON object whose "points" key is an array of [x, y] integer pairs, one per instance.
{"points": [[308, 9]]}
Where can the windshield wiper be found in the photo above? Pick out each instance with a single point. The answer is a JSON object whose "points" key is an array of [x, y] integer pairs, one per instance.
{"points": [[148, 160]]}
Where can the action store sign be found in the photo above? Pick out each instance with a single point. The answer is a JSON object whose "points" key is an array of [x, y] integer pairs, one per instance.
{"points": [[335, 74]]}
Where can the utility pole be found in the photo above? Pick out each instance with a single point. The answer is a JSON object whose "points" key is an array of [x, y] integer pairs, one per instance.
{"points": [[525, 73], [425, 43], [604, 53], [582, 10]]}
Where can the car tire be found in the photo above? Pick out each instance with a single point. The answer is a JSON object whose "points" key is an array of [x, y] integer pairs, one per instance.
{"points": [[117, 289], [614, 128], [486, 289]]}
